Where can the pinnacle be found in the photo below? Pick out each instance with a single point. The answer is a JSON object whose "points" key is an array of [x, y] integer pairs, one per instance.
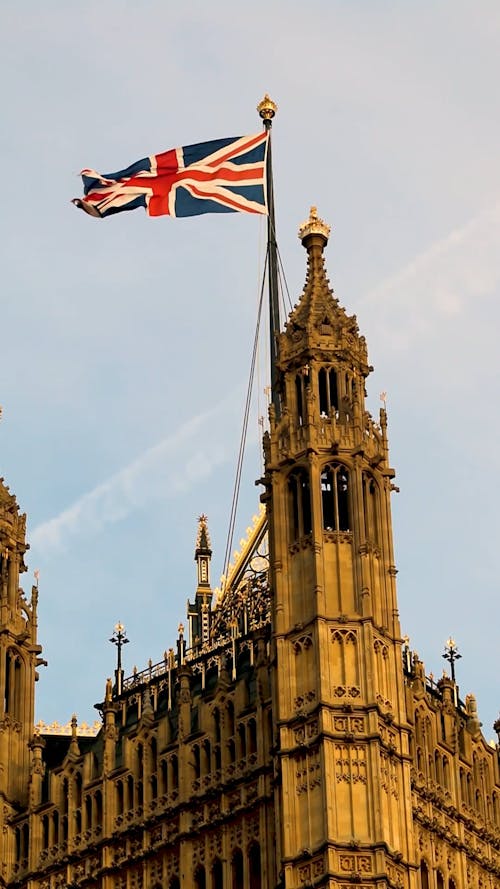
{"points": [[203, 544]]}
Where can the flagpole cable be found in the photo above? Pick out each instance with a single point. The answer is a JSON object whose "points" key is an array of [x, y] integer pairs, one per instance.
{"points": [[282, 276], [241, 452]]}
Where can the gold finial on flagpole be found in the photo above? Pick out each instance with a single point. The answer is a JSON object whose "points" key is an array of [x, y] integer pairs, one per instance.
{"points": [[267, 108]]}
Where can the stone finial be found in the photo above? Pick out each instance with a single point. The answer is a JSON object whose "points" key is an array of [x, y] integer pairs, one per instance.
{"points": [[314, 226], [147, 715], [203, 543], [267, 108], [109, 690], [473, 723], [74, 748]]}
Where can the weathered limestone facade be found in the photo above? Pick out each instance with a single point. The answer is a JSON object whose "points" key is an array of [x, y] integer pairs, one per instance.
{"points": [[291, 737]]}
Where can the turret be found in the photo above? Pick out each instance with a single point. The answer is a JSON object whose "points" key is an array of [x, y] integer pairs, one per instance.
{"points": [[199, 611], [19, 653], [337, 646]]}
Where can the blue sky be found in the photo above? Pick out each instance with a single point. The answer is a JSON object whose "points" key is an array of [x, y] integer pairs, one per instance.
{"points": [[126, 343]]}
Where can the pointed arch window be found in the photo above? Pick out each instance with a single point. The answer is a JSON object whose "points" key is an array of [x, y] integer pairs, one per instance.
{"points": [[217, 875], [299, 399], [424, 876], [254, 866], [237, 869], [371, 508], [299, 495], [199, 877], [13, 691], [335, 497], [328, 392]]}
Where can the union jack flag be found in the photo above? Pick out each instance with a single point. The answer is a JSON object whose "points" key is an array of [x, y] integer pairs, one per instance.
{"points": [[222, 176]]}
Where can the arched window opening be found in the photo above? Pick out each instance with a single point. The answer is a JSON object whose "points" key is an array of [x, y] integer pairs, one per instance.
{"points": [[424, 876], [254, 866], [196, 761], [78, 790], [119, 798], [439, 880], [18, 844], [45, 832], [252, 736], [154, 754], [230, 718], [237, 869], [243, 740], [299, 399], [231, 750], [446, 773], [451, 884], [207, 755], [164, 776], [217, 757], [217, 725], [175, 772], [64, 824], [437, 768], [335, 497], [98, 808], [14, 685], [217, 875], [78, 821], [199, 878], [469, 788], [140, 793], [371, 506], [88, 812], [65, 794], [154, 787], [300, 504], [323, 392], [130, 792], [174, 883], [328, 397], [55, 825]]}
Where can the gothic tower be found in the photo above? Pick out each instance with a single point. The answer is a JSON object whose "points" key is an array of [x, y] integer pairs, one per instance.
{"points": [[343, 801], [19, 659]]}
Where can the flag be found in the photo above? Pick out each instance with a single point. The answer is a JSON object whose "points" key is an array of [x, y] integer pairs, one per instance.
{"points": [[222, 176]]}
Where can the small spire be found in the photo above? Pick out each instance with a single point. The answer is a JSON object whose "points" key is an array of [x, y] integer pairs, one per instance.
{"points": [[267, 108], [203, 544], [74, 748], [314, 226], [147, 715]]}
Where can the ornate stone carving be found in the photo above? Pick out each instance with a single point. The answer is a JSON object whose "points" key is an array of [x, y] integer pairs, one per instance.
{"points": [[302, 643]]}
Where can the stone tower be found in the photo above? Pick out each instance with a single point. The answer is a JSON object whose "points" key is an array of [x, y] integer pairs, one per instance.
{"points": [[343, 804], [19, 659]]}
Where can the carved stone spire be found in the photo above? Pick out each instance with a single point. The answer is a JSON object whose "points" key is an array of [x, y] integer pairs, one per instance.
{"points": [[203, 544], [318, 321]]}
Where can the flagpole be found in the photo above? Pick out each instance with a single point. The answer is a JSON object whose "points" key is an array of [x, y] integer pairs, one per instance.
{"points": [[267, 110]]}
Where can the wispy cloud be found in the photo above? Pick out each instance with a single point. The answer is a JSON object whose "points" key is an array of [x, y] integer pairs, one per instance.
{"points": [[440, 283], [164, 471]]}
